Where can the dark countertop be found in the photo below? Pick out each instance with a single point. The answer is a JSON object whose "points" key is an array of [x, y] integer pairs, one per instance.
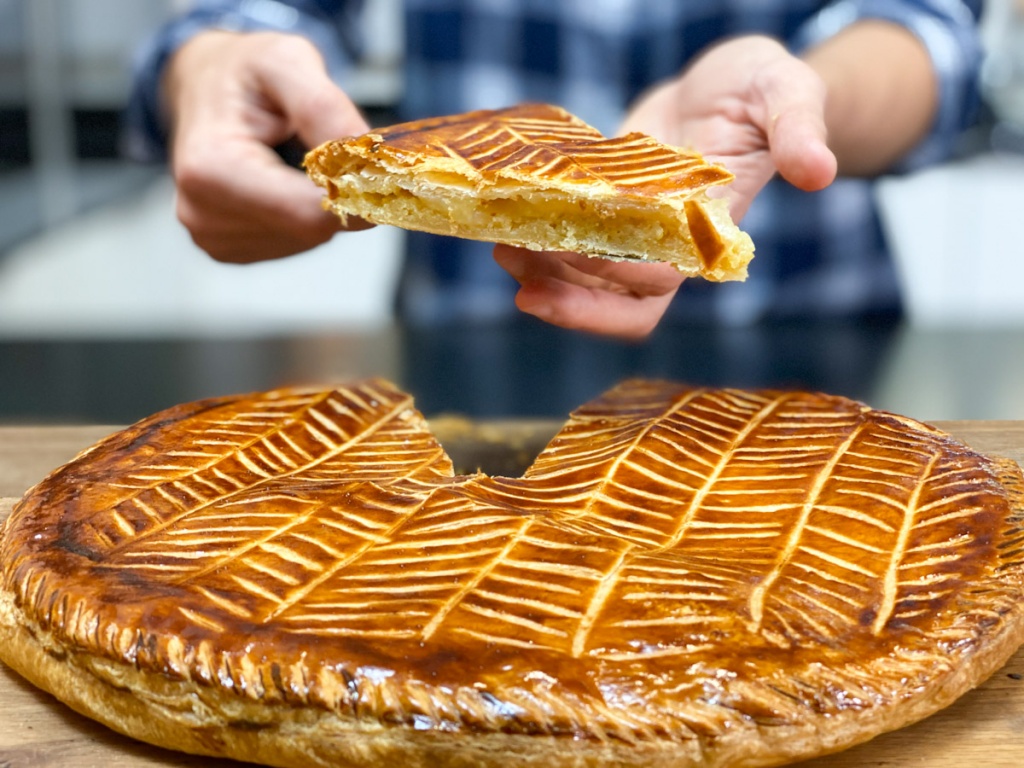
{"points": [[526, 369]]}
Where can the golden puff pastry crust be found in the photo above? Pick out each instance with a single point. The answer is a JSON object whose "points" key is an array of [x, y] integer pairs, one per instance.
{"points": [[683, 577], [538, 177]]}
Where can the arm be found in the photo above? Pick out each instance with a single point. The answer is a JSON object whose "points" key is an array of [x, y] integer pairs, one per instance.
{"points": [[940, 35], [883, 94]]}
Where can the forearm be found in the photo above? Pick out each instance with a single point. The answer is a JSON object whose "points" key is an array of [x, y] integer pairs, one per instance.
{"points": [[882, 94]]}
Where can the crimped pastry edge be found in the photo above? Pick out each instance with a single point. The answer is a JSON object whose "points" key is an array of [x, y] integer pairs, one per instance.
{"points": [[188, 717], [119, 694]]}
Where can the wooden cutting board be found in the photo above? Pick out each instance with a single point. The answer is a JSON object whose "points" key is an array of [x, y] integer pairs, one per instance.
{"points": [[984, 728]]}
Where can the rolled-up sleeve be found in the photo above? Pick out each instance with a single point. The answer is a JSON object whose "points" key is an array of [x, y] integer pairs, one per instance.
{"points": [[949, 31], [326, 24]]}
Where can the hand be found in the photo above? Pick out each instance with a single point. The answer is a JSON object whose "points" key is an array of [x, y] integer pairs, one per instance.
{"points": [[752, 106], [747, 103], [232, 98]]}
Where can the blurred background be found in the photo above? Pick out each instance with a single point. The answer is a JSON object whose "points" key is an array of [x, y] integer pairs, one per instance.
{"points": [[108, 312]]}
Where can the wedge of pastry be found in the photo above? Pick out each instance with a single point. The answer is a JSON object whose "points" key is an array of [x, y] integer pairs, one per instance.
{"points": [[536, 176]]}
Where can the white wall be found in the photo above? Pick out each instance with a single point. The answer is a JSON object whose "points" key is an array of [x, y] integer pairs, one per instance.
{"points": [[957, 235], [130, 269]]}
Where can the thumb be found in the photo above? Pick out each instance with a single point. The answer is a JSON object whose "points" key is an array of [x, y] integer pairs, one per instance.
{"points": [[313, 106], [794, 103]]}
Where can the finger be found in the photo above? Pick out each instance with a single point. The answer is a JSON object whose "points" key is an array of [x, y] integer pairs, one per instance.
{"points": [[268, 211], [238, 199], [529, 266], [316, 109], [800, 152], [794, 105], [640, 279], [637, 277], [592, 310], [590, 294]]}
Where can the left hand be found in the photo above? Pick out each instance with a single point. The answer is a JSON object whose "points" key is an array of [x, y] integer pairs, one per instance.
{"points": [[747, 103]]}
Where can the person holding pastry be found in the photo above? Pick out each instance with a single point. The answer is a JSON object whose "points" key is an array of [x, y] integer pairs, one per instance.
{"points": [[803, 102]]}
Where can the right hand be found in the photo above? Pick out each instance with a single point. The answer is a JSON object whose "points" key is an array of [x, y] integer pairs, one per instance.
{"points": [[747, 102], [750, 104], [232, 97]]}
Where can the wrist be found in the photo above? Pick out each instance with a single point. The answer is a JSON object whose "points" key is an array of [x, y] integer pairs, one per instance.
{"points": [[881, 94]]}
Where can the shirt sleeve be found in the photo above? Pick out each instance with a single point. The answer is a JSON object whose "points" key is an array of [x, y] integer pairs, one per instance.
{"points": [[328, 25], [949, 31]]}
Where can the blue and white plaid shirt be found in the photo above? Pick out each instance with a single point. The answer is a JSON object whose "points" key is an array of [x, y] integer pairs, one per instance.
{"points": [[818, 254]]}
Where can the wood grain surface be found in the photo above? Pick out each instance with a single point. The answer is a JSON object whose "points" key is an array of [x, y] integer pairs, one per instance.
{"points": [[985, 727]]}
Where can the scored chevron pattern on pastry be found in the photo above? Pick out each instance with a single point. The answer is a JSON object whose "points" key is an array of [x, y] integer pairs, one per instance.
{"points": [[545, 141], [326, 528]]}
